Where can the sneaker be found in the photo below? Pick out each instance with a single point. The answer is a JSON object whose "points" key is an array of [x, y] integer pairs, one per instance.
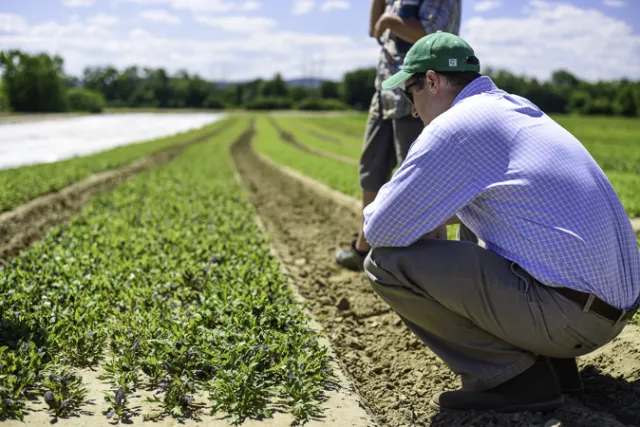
{"points": [[536, 389], [351, 258], [568, 375]]}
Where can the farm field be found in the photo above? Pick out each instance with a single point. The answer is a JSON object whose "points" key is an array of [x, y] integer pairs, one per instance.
{"points": [[395, 373], [167, 288], [18, 185], [163, 289], [613, 142]]}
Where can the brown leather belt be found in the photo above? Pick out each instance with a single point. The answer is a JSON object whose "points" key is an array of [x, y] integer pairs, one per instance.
{"points": [[597, 305]]}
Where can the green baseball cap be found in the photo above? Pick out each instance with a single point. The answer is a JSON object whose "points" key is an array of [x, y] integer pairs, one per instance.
{"points": [[439, 51]]}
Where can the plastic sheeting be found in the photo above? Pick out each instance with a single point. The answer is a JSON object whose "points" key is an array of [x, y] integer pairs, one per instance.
{"points": [[49, 141]]}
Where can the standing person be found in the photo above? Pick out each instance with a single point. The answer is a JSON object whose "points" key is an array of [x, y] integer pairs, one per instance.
{"points": [[391, 126], [560, 275]]}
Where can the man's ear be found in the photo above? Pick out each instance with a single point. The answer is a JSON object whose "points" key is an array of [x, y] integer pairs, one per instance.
{"points": [[414, 112], [432, 81]]}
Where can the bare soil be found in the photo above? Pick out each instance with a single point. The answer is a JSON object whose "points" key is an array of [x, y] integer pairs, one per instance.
{"points": [[28, 223], [393, 371]]}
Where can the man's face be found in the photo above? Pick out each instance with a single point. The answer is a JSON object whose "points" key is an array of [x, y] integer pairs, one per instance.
{"points": [[425, 92]]}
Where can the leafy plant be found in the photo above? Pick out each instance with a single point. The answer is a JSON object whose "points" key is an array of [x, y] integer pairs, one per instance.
{"points": [[65, 393], [165, 283], [118, 401]]}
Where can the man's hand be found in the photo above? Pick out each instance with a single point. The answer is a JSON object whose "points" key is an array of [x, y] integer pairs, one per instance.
{"points": [[382, 25], [408, 29], [438, 233]]}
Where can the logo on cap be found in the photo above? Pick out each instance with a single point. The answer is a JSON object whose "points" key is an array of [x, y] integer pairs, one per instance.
{"points": [[453, 62]]}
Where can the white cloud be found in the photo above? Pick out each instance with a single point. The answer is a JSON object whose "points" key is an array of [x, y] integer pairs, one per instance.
{"points": [[302, 7], [202, 5], [240, 46], [484, 5], [614, 3], [12, 23], [78, 3], [335, 4], [238, 23], [160, 16], [581, 42], [223, 55], [103, 20], [251, 5]]}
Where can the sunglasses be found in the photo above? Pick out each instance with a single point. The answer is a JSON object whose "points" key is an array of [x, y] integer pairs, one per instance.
{"points": [[406, 91]]}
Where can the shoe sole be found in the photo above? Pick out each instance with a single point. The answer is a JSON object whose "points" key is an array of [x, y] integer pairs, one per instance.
{"points": [[532, 407]]}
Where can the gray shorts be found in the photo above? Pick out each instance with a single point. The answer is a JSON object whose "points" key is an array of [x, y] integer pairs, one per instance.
{"points": [[386, 144]]}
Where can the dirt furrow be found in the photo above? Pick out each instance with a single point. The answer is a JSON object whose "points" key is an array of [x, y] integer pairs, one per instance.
{"points": [[290, 139], [394, 372], [29, 222]]}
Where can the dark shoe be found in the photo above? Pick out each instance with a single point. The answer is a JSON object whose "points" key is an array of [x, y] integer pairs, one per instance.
{"points": [[351, 258], [566, 371], [536, 389]]}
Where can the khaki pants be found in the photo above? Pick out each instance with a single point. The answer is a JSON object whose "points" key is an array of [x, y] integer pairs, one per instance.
{"points": [[482, 314]]}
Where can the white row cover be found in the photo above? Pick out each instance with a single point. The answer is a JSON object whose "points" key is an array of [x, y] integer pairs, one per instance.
{"points": [[52, 140]]}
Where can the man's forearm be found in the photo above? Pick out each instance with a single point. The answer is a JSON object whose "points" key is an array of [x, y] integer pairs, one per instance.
{"points": [[376, 11], [410, 30]]}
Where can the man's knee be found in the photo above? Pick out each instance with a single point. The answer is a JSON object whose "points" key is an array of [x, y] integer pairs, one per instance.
{"points": [[378, 266]]}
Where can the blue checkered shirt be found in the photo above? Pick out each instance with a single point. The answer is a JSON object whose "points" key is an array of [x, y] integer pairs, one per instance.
{"points": [[522, 184]]}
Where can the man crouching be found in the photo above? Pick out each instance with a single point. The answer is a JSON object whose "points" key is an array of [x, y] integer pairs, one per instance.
{"points": [[560, 272]]}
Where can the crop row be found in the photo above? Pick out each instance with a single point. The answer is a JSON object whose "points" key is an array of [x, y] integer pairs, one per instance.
{"points": [[164, 284], [18, 185], [321, 138], [612, 142]]}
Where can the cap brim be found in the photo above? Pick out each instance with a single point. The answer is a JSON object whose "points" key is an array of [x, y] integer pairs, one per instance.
{"points": [[396, 80]]}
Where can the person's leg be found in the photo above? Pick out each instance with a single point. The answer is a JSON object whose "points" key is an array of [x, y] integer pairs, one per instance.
{"points": [[405, 131], [565, 369], [376, 163], [487, 319]]}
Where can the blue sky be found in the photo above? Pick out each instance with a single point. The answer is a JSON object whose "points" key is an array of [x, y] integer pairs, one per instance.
{"points": [[241, 39]]}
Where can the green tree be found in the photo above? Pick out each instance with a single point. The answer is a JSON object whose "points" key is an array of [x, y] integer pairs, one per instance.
{"points": [[625, 102], [579, 102], [330, 90], [4, 101], [600, 106], [275, 88], [359, 87], [33, 83], [103, 80], [85, 100], [197, 92]]}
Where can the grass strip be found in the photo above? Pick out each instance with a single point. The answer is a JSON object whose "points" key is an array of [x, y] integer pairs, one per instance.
{"points": [[165, 284], [18, 185], [337, 175]]}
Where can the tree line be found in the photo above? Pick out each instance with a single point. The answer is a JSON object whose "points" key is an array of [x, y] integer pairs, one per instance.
{"points": [[37, 83]]}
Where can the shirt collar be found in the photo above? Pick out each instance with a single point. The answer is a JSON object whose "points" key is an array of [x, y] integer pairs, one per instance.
{"points": [[476, 87]]}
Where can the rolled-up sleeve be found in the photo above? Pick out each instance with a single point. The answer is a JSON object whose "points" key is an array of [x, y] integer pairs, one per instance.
{"points": [[431, 185]]}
